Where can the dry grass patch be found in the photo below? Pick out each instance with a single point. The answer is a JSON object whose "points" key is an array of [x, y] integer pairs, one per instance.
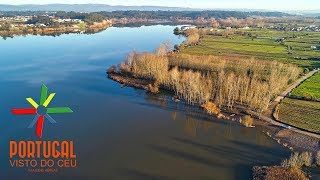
{"points": [[211, 108], [247, 121], [318, 158], [278, 172], [298, 160]]}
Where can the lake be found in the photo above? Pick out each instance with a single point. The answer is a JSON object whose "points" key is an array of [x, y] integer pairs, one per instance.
{"points": [[119, 133]]}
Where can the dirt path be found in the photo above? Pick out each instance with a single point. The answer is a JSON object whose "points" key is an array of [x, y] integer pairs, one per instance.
{"points": [[272, 119], [294, 85]]}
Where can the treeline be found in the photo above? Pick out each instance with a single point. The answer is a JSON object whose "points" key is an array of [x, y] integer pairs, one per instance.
{"points": [[88, 17], [189, 14], [153, 14], [21, 13], [251, 22], [43, 20], [202, 79]]}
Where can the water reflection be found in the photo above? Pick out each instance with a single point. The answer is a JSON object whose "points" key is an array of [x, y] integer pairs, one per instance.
{"points": [[121, 133], [195, 121]]}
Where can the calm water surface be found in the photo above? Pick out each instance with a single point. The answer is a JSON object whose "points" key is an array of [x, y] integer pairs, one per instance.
{"points": [[119, 133]]}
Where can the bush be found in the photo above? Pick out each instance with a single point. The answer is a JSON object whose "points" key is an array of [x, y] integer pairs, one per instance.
{"points": [[154, 88], [247, 121], [298, 160], [176, 31], [318, 158], [193, 39], [211, 108], [177, 47], [306, 158], [112, 69], [163, 49], [293, 161], [276, 172]]}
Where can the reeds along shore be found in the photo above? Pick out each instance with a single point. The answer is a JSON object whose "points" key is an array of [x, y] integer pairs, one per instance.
{"points": [[201, 79]]}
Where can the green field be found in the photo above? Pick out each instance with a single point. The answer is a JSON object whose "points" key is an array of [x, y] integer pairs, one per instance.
{"points": [[262, 44], [284, 46], [309, 89], [300, 113]]}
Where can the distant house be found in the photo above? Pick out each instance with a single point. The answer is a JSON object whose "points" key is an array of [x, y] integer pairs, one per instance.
{"points": [[183, 28], [40, 25]]}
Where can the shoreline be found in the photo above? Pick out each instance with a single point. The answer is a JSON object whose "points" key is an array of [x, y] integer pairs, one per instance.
{"points": [[89, 29], [53, 31], [288, 138]]}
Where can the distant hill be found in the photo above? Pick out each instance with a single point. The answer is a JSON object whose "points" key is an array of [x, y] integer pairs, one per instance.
{"points": [[87, 8], [136, 11], [310, 13]]}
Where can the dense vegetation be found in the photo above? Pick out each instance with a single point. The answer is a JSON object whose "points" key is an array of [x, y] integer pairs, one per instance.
{"points": [[200, 79], [43, 20], [20, 13], [233, 67], [309, 89], [189, 14], [155, 14], [87, 17]]}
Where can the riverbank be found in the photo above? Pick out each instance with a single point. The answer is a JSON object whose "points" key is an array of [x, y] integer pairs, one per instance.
{"points": [[293, 139], [289, 138], [149, 130], [274, 172], [61, 29]]}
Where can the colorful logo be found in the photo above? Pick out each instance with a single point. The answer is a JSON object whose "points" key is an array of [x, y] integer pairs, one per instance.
{"points": [[41, 111]]}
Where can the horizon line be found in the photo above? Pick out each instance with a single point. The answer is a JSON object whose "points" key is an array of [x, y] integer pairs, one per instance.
{"points": [[204, 9]]}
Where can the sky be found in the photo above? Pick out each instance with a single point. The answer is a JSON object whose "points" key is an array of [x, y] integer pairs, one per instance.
{"points": [[206, 4]]}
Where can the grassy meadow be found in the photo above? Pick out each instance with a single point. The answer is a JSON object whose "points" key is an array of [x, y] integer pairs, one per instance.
{"points": [[309, 89], [285, 46], [289, 47]]}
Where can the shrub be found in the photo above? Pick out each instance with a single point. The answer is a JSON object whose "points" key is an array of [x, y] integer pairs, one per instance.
{"points": [[292, 173], [193, 39], [318, 158], [154, 88], [112, 69], [163, 49], [176, 31], [211, 108], [306, 158], [293, 161], [247, 121], [298, 160], [177, 47], [124, 67], [193, 35], [191, 31]]}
